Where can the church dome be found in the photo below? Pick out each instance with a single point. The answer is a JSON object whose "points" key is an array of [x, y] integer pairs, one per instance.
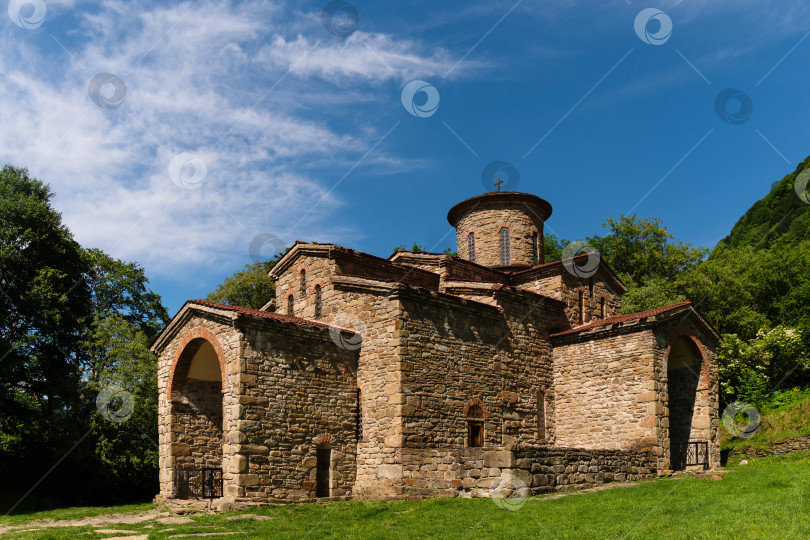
{"points": [[502, 229]]}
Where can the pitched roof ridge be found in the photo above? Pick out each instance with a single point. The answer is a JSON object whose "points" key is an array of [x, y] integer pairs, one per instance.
{"points": [[615, 319], [257, 313]]}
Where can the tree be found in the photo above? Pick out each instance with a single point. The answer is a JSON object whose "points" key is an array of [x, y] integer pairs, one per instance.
{"points": [[749, 371], [656, 292], [43, 307], [642, 249], [73, 322], [250, 287], [126, 317], [553, 247]]}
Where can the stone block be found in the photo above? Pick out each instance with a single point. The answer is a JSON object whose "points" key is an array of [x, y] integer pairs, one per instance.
{"points": [[392, 472], [499, 458], [179, 449], [246, 479], [238, 464]]}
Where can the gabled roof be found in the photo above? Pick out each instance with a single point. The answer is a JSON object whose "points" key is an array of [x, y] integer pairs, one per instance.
{"points": [[330, 250], [181, 315], [667, 312], [547, 269]]}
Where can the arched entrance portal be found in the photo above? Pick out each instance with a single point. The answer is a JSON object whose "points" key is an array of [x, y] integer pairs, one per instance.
{"points": [[683, 375], [197, 419]]}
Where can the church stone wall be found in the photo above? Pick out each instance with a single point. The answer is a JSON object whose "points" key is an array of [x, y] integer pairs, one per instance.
{"points": [[486, 222], [483, 472], [293, 398], [605, 391], [565, 286], [458, 353], [374, 317]]}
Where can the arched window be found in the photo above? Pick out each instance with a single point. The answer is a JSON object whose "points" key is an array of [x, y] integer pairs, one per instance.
{"points": [[317, 301], [290, 301], [471, 247], [475, 428], [504, 241], [535, 254], [602, 308], [303, 282]]}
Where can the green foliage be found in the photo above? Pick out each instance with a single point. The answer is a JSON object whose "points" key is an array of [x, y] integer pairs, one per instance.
{"points": [[72, 322], [781, 214], [415, 248], [656, 292], [643, 249], [553, 247], [748, 371], [742, 290], [250, 287], [43, 306]]}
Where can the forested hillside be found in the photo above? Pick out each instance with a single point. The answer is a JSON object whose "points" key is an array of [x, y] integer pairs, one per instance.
{"points": [[781, 214]]}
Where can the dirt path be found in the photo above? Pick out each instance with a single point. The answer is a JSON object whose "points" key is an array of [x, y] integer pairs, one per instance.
{"points": [[105, 519]]}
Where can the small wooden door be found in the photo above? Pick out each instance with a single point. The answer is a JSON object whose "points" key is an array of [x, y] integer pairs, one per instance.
{"points": [[322, 472]]}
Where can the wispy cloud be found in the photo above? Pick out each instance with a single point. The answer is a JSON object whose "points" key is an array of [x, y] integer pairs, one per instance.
{"points": [[227, 82]]}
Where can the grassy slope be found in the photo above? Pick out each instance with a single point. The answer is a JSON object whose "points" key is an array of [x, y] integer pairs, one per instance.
{"points": [[766, 499], [784, 415]]}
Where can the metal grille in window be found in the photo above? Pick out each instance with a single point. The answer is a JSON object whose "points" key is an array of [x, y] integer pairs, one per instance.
{"points": [[471, 246], [505, 255], [318, 303], [691, 453], [205, 483]]}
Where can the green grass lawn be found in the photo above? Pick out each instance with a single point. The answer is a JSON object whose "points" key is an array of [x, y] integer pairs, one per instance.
{"points": [[769, 498]]}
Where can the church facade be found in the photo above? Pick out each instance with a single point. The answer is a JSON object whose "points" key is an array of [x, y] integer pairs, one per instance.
{"points": [[428, 374]]}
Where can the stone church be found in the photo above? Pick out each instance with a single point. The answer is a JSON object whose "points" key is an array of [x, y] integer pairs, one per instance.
{"points": [[427, 374]]}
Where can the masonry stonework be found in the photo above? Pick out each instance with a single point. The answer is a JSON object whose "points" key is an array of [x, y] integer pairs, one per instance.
{"points": [[428, 374]]}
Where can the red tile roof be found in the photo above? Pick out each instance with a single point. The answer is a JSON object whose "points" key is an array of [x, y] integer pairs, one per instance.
{"points": [[258, 314], [623, 318]]}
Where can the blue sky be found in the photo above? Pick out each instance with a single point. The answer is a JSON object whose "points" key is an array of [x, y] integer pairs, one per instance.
{"points": [[219, 122]]}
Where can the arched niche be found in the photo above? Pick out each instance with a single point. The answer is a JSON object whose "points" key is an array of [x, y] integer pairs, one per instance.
{"points": [[684, 365], [195, 393]]}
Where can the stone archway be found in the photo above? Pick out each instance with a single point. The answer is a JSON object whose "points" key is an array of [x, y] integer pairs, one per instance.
{"points": [[685, 364], [195, 394]]}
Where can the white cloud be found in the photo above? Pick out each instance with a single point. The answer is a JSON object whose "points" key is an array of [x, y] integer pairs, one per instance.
{"points": [[200, 78]]}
